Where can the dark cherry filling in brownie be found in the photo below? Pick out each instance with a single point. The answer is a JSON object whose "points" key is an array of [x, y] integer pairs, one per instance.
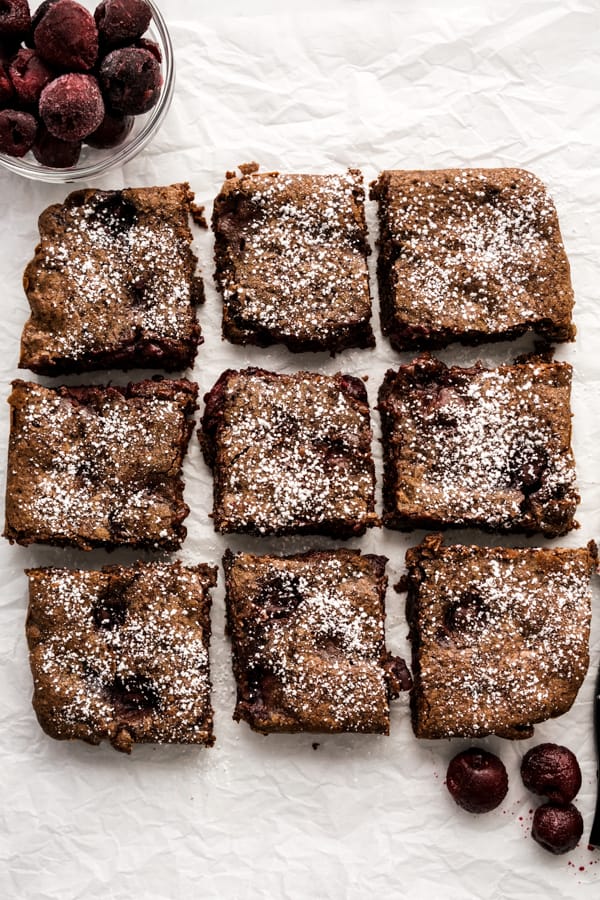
{"points": [[499, 636], [99, 466], [289, 453], [121, 654], [477, 447], [291, 260], [308, 642], [471, 255], [113, 284]]}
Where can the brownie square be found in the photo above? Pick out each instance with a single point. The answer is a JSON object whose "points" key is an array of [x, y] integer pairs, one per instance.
{"points": [[499, 636], [477, 447], [112, 283], [98, 466], [121, 654], [308, 642], [291, 260], [470, 255], [289, 453]]}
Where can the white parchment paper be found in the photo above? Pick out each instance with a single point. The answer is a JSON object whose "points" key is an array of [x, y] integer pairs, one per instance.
{"points": [[316, 87]]}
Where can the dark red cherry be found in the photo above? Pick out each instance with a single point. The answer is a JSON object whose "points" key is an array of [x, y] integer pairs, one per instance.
{"points": [[557, 829], [477, 780]]}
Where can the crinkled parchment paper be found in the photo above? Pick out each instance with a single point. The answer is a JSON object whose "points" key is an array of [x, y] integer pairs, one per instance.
{"points": [[316, 87]]}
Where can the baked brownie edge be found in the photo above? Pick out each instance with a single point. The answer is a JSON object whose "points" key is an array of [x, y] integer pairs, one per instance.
{"points": [[122, 653], [513, 256], [85, 317], [274, 232], [499, 636], [42, 458]]}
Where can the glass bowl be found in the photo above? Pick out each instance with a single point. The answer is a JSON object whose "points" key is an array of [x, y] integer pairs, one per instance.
{"points": [[94, 162]]}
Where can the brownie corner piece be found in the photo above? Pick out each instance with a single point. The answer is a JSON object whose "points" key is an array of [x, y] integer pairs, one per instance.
{"points": [[99, 466], [291, 260], [113, 283], [470, 255], [477, 447], [121, 653], [499, 636], [308, 642], [290, 453]]}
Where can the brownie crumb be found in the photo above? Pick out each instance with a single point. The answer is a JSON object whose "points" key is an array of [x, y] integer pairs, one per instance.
{"points": [[198, 216], [249, 168]]}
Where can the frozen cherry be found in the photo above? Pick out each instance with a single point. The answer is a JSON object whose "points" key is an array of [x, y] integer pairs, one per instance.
{"points": [[71, 106], [51, 151], [8, 48], [352, 386], [151, 46], [112, 131], [131, 80], [15, 18], [36, 19], [67, 37], [17, 132], [557, 828], [477, 780], [29, 75], [552, 771], [7, 91], [122, 21]]}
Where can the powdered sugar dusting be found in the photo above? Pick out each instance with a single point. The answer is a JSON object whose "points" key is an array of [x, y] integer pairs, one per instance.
{"points": [[315, 628], [481, 446], [294, 451], [502, 637], [147, 673], [476, 250], [296, 260]]}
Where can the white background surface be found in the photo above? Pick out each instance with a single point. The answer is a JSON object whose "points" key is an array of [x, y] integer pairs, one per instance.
{"points": [[315, 86]]}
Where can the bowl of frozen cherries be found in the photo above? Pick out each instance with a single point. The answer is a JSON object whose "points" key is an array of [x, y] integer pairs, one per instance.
{"points": [[83, 88]]}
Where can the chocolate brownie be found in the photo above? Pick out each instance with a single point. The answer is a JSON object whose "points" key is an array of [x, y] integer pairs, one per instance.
{"points": [[289, 453], [499, 636], [471, 255], [291, 260], [98, 466], [112, 283], [308, 641], [121, 654], [485, 448]]}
